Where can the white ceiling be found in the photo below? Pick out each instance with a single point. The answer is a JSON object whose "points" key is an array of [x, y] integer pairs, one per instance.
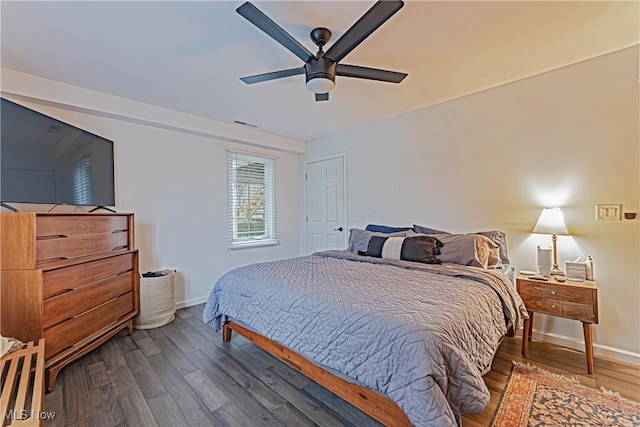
{"points": [[188, 56]]}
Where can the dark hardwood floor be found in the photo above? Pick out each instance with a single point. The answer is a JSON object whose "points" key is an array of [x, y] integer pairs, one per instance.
{"points": [[183, 375]]}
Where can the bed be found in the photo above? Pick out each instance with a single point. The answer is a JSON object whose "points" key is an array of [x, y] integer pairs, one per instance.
{"points": [[405, 341]]}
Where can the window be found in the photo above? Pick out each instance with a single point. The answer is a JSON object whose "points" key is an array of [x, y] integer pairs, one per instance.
{"points": [[252, 220], [82, 181]]}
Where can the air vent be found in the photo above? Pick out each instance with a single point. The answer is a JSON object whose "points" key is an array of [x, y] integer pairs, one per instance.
{"points": [[239, 122]]}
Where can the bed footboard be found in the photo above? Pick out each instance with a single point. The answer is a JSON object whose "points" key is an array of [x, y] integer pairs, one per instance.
{"points": [[382, 409]]}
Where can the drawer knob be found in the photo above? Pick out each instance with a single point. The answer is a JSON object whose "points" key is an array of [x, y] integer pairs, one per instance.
{"points": [[553, 292], [554, 306]]}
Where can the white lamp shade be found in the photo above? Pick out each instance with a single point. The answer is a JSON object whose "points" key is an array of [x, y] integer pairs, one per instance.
{"points": [[320, 85], [551, 221]]}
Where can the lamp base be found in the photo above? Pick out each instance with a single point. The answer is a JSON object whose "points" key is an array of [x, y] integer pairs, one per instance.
{"points": [[555, 270]]}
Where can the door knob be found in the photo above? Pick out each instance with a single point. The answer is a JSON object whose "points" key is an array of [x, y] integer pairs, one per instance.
{"points": [[337, 229]]}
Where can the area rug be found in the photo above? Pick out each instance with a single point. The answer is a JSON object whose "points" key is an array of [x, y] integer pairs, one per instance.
{"points": [[535, 397]]}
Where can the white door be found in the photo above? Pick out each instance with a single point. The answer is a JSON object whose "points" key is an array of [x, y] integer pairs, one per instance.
{"points": [[326, 226]]}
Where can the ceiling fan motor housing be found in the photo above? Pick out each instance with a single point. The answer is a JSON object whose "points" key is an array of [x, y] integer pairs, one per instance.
{"points": [[320, 68]]}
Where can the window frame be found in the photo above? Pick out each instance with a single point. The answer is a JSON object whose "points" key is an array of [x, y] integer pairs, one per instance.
{"points": [[269, 212]]}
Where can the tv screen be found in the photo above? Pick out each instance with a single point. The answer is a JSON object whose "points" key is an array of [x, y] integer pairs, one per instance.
{"points": [[44, 160]]}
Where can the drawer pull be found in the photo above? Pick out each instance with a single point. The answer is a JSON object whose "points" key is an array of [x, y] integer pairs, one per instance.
{"points": [[58, 322], [60, 292], [124, 272], [553, 292], [122, 230], [554, 306], [117, 248], [52, 236], [60, 258]]}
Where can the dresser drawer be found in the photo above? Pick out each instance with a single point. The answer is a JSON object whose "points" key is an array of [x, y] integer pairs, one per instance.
{"points": [[109, 242], [70, 304], [62, 226], [71, 332], [109, 224], [75, 276], [56, 249]]}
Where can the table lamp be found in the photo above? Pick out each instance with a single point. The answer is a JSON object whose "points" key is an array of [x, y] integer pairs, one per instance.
{"points": [[551, 221]]}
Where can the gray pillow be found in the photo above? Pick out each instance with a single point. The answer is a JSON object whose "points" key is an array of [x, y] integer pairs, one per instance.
{"points": [[426, 230], [467, 249], [498, 237], [359, 239]]}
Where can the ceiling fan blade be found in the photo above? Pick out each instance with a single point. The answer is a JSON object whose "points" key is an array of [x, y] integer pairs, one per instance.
{"points": [[273, 30], [272, 75], [367, 24], [322, 97], [369, 73]]}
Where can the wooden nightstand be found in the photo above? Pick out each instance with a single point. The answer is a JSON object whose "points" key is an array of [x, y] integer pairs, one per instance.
{"points": [[573, 300]]}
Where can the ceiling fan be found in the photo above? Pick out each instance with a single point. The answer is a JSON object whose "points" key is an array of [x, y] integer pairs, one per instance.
{"points": [[322, 68]]}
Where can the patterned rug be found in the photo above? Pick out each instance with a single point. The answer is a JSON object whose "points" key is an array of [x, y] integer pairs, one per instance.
{"points": [[535, 397]]}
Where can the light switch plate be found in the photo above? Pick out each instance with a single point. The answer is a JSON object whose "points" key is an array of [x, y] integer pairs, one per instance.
{"points": [[608, 212]]}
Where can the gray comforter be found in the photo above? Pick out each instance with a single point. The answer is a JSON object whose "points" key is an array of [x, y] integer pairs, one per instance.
{"points": [[422, 335]]}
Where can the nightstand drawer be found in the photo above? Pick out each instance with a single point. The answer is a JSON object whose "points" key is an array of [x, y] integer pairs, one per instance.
{"points": [[578, 301], [535, 290], [581, 312]]}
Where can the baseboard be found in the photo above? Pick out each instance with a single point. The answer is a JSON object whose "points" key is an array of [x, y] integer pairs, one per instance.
{"points": [[599, 350], [190, 302]]}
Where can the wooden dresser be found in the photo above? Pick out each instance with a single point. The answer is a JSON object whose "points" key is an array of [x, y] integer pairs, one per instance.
{"points": [[70, 278]]}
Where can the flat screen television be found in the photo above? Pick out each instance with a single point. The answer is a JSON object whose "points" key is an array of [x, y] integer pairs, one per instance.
{"points": [[44, 160]]}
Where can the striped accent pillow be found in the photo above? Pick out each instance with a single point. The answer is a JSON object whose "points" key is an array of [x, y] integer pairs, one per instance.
{"points": [[417, 249]]}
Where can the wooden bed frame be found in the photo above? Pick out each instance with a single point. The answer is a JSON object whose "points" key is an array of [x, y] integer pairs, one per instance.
{"points": [[382, 409]]}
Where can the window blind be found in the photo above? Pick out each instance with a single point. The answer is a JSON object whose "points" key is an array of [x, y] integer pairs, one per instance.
{"points": [[251, 200]]}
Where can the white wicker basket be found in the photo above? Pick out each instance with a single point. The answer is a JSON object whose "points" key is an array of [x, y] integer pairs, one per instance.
{"points": [[157, 302]]}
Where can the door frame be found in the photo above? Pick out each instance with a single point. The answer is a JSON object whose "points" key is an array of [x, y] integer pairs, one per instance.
{"points": [[345, 185]]}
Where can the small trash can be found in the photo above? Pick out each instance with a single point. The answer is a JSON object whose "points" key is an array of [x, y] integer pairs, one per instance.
{"points": [[157, 300]]}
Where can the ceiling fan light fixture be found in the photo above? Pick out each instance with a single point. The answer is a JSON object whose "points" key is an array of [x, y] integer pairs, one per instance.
{"points": [[320, 85]]}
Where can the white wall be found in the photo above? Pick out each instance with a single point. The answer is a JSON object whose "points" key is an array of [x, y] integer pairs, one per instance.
{"points": [[494, 159], [171, 172]]}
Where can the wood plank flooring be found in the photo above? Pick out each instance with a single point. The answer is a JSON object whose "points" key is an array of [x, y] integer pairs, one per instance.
{"points": [[184, 375]]}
